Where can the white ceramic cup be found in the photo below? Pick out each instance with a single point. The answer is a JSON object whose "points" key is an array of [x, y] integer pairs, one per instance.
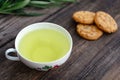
{"points": [[41, 66]]}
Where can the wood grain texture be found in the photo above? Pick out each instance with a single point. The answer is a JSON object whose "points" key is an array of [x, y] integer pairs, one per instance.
{"points": [[90, 60]]}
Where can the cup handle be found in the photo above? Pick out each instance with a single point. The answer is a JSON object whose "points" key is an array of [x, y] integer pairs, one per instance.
{"points": [[10, 51]]}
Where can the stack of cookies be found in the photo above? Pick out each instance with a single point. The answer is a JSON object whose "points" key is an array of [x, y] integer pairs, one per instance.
{"points": [[92, 25]]}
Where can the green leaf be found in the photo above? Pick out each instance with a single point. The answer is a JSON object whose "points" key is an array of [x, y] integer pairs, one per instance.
{"points": [[15, 7], [62, 0], [18, 5], [5, 4], [21, 13], [4, 12], [44, 4], [40, 2]]}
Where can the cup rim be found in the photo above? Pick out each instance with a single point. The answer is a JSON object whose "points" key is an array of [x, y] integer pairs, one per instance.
{"points": [[66, 32]]}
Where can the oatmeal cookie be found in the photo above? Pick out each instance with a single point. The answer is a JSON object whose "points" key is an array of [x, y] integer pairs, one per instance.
{"points": [[105, 22], [89, 32], [84, 17]]}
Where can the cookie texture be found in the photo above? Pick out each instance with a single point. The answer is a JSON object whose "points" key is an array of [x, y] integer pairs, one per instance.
{"points": [[105, 22], [84, 17], [89, 32]]}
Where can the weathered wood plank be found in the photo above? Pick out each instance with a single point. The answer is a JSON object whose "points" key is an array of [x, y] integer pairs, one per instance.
{"points": [[90, 60], [84, 52]]}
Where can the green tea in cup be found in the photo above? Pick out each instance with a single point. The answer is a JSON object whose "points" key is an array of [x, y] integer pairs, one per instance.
{"points": [[44, 45]]}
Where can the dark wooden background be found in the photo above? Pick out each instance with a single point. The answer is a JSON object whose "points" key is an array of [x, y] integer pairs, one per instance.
{"points": [[90, 60]]}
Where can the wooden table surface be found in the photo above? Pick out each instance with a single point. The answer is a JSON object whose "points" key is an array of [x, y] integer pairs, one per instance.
{"points": [[89, 60]]}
